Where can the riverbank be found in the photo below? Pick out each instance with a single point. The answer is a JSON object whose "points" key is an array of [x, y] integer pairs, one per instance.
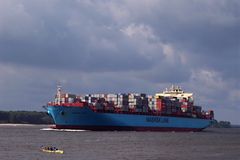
{"points": [[24, 117]]}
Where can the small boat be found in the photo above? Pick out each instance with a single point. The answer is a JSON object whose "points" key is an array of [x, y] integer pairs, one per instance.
{"points": [[52, 150]]}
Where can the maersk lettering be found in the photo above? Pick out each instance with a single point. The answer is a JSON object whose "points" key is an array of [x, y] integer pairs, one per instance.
{"points": [[156, 119]]}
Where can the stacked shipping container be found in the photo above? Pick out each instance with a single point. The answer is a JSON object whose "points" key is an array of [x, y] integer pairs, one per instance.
{"points": [[135, 102]]}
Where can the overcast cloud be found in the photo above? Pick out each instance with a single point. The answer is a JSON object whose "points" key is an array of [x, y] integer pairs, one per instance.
{"points": [[120, 46]]}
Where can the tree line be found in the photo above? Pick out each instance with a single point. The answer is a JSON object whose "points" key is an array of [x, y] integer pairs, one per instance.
{"points": [[25, 117], [221, 124]]}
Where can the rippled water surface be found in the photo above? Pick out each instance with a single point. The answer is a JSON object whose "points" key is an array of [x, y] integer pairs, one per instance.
{"points": [[24, 142]]}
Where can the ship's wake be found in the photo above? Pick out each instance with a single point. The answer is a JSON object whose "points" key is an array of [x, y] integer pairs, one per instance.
{"points": [[62, 130]]}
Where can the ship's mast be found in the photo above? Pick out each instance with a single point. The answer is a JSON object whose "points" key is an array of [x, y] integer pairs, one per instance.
{"points": [[59, 91]]}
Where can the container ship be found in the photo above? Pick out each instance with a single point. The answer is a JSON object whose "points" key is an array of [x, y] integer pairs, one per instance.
{"points": [[170, 110]]}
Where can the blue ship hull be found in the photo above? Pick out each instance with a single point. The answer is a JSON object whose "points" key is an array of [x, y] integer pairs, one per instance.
{"points": [[86, 119]]}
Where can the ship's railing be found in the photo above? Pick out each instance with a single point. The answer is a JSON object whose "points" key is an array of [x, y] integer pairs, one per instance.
{"points": [[75, 104]]}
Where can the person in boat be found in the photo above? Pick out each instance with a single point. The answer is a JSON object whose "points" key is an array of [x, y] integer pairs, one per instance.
{"points": [[54, 148], [50, 148]]}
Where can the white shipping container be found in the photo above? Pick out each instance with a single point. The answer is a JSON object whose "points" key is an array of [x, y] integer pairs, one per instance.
{"points": [[110, 95], [70, 100]]}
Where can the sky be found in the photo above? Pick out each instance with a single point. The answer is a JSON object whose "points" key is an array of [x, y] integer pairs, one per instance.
{"points": [[110, 46]]}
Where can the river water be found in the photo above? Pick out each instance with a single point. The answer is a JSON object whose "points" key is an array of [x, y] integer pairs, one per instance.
{"points": [[18, 142]]}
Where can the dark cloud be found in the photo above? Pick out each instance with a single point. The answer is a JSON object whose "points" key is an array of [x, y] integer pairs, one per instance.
{"points": [[69, 37], [104, 46]]}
